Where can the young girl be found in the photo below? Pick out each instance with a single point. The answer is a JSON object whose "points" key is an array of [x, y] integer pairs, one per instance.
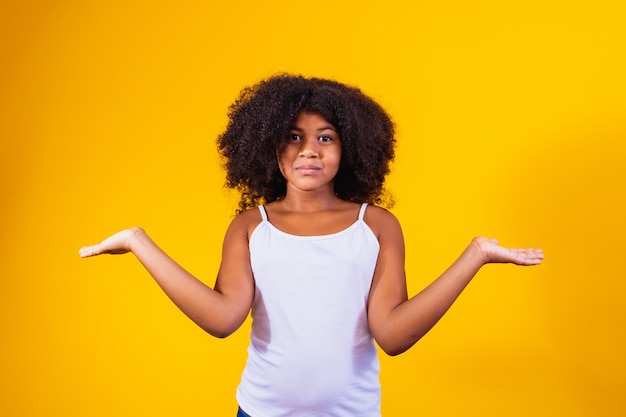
{"points": [[311, 253]]}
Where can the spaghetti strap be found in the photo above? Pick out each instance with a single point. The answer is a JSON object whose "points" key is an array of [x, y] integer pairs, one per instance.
{"points": [[263, 213], [362, 211]]}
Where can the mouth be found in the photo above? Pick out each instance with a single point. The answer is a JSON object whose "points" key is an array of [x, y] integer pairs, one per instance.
{"points": [[308, 169]]}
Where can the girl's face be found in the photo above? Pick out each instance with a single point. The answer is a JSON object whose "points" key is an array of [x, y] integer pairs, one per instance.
{"points": [[311, 156]]}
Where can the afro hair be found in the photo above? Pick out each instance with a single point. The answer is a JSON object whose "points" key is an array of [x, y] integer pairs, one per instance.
{"points": [[259, 122]]}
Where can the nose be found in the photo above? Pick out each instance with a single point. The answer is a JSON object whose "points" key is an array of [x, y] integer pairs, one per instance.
{"points": [[309, 148]]}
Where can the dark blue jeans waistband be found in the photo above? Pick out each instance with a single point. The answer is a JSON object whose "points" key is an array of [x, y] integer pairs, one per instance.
{"points": [[241, 413]]}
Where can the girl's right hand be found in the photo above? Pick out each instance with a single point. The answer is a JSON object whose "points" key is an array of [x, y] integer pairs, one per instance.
{"points": [[117, 244]]}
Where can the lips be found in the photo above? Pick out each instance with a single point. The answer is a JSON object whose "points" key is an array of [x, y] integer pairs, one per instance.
{"points": [[308, 169]]}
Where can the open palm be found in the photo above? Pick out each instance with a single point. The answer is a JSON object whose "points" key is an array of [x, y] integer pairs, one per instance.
{"points": [[494, 253], [116, 244]]}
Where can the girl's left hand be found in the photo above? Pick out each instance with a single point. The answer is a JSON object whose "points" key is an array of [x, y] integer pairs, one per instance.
{"points": [[494, 253], [117, 244]]}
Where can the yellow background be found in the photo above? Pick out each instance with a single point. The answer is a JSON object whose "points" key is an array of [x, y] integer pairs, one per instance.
{"points": [[511, 123]]}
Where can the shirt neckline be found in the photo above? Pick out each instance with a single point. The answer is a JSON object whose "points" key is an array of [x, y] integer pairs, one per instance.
{"points": [[312, 237]]}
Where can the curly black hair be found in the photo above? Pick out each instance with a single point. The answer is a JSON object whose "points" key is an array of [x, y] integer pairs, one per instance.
{"points": [[259, 122]]}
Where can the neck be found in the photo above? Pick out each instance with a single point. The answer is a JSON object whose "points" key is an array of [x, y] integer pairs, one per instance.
{"points": [[310, 201]]}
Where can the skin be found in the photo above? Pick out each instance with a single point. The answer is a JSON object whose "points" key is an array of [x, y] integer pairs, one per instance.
{"points": [[309, 163]]}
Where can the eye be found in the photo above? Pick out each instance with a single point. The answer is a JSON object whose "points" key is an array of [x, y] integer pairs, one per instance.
{"points": [[325, 138], [294, 138]]}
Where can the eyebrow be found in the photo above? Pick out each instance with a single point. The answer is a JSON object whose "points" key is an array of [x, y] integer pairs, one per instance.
{"points": [[321, 129]]}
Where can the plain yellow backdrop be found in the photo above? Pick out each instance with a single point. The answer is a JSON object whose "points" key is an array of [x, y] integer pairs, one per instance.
{"points": [[511, 124]]}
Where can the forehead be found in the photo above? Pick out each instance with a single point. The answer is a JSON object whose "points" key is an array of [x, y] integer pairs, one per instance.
{"points": [[306, 119]]}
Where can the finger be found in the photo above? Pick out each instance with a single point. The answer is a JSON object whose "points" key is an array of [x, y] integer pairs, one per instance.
{"points": [[531, 258], [84, 252], [528, 251], [534, 253], [87, 251]]}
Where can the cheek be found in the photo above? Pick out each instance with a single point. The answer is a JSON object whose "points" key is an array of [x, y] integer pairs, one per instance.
{"points": [[337, 157]]}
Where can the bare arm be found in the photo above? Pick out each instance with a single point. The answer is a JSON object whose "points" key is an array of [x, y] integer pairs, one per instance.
{"points": [[218, 311], [397, 322]]}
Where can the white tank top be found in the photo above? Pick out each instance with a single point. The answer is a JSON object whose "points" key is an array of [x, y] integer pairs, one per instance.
{"points": [[311, 351]]}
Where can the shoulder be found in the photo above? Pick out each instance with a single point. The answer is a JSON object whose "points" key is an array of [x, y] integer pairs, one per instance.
{"points": [[246, 222], [381, 221], [379, 217]]}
